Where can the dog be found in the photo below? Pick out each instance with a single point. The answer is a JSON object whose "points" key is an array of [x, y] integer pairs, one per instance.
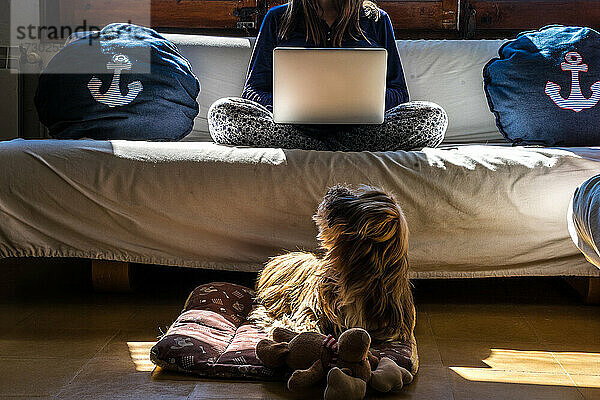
{"points": [[357, 278]]}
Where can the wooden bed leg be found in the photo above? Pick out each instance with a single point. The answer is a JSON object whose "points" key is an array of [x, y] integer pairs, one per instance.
{"points": [[111, 276], [588, 288]]}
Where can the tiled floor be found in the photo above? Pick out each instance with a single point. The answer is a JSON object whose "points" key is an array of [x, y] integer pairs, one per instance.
{"points": [[478, 339]]}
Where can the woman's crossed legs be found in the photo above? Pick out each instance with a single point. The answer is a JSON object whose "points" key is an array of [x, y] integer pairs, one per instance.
{"points": [[242, 122]]}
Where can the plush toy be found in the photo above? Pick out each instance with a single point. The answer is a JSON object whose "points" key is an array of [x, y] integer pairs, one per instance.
{"points": [[347, 362]]}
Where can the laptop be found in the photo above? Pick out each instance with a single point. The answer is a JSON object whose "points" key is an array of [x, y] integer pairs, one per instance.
{"points": [[329, 86]]}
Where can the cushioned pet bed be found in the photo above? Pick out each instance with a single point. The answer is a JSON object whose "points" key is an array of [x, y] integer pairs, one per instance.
{"points": [[212, 338], [473, 211]]}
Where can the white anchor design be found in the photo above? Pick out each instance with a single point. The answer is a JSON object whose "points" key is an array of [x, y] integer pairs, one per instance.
{"points": [[575, 101], [114, 97]]}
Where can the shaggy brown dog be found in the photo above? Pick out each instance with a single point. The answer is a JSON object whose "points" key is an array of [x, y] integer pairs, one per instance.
{"points": [[358, 279]]}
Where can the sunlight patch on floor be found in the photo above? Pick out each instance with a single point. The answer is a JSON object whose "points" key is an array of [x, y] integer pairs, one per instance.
{"points": [[518, 377], [577, 362], [534, 368], [140, 355]]}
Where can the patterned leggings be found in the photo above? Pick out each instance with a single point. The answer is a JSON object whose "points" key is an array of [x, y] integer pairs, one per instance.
{"points": [[242, 122]]}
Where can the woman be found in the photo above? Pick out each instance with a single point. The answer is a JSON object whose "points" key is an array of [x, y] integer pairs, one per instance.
{"points": [[248, 121]]}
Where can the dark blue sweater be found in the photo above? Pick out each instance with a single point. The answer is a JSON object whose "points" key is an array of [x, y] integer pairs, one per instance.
{"points": [[259, 81]]}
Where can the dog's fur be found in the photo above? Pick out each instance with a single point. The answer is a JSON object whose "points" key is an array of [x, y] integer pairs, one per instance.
{"points": [[358, 279]]}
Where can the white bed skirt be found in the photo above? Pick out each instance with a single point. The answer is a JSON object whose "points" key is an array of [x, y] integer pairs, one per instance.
{"points": [[473, 211]]}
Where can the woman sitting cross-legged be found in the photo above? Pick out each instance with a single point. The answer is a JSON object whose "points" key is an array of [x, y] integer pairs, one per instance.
{"points": [[248, 120]]}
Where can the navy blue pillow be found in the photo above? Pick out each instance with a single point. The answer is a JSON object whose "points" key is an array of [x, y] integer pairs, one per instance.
{"points": [[545, 87], [124, 82]]}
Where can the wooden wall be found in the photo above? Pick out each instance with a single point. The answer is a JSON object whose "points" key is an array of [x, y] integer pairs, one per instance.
{"points": [[411, 18]]}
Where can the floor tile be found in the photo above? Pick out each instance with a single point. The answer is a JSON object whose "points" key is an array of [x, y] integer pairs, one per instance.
{"points": [[59, 344], [430, 383], [426, 344], [112, 378], [564, 324], [48, 317], [212, 389], [422, 326], [123, 344], [12, 314], [429, 355], [498, 355], [36, 377], [131, 349], [588, 386], [479, 383], [478, 322], [154, 319], [584, 361]]}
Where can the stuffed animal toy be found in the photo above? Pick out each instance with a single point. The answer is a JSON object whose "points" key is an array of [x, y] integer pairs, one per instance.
{"points": [[347, 362]]}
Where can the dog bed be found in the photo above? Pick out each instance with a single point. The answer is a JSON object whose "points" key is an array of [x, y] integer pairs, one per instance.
{"points": [[213, 338]]}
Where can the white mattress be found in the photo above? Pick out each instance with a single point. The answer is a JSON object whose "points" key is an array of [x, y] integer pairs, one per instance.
{"points": [[473, 211]]}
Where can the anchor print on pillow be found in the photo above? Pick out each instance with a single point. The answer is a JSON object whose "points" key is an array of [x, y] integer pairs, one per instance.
{"points": [[576, 101], [127, 82], [113, 97], [544, 87]]}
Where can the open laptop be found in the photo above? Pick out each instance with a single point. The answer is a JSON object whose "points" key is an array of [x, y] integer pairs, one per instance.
{"points": [[329, 86]]}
